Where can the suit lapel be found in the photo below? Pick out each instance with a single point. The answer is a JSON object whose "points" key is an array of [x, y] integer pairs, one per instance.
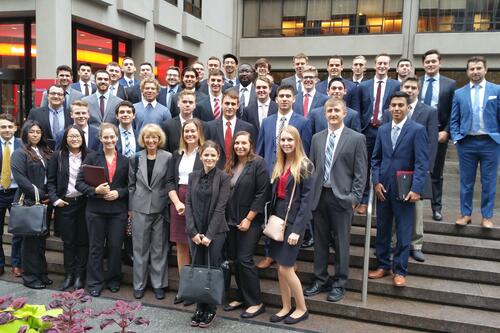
{"points": [[417, 112], [322, 148], [142, 170], [487, 92], [159, 164], [344, 137], [245, 170], [220, 129], [109, 105], [215, 191], [404, 130]]}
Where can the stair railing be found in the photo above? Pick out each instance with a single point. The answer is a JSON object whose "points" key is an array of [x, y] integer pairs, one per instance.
{"points": [[366, 256]]}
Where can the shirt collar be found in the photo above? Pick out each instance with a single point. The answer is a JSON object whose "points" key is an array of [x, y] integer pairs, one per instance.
{"points": [[384, 80], [55, 111], [435, 77], [106, 94], [11, 141], [337, 132], [287, 116], [232, 121], [77, 155], [401, 124], [83, 83], [311, 93], [482, 84], [248, 87], [266, 103], [122, 130], [145, 103]]}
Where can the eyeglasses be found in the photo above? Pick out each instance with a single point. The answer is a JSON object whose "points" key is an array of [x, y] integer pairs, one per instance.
{"points": [[56, 94], [74, 136]]}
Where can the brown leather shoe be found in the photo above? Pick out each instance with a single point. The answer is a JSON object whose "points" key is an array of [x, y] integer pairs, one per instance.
{"points": [[486, 223], [399, 280], [464, 220], [17, 271], [265, 263], [361, 210], [378, 273]]}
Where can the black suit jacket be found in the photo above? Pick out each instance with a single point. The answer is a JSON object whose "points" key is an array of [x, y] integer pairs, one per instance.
{"points": [[203, 87], [173, 173], [251, 113], [251, 191], [215, 131], [133, 94], [41, 115], [95, 203], [204, 110], [26, 174], [172, 129], [58, 175], [121, 92], [447, 88]]}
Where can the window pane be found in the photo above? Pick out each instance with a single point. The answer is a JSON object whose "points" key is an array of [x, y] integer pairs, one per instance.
{"points": [[319, 10], [96, 50], [251, 18], [294, 8], [270, 18], [12, 46]]}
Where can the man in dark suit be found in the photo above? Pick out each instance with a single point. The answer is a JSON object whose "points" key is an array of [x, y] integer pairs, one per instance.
{"points": [[173, 77], [338, 188], [262, 107], [358, 70], [173, 127], [475, 130], [427, 117], [336, 89], [223, 129], [300, 61], [80, 115], [400, 146], [335, 66], [245, 87], [310, 98], [84, 85], [211, 108], [263, 68], [133, 94], [115, 74], [64, 78], [404, 68], [213, 64], [374, 96], [128, 69], [102, 103], [439, 97], [53, 117]]}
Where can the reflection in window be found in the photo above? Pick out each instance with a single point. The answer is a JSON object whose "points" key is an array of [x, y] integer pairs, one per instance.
{"points": [[193, 7], [164, 60], [94, 49]]}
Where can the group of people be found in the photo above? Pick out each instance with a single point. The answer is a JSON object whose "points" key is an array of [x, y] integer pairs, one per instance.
{"points": [[203, 163]]}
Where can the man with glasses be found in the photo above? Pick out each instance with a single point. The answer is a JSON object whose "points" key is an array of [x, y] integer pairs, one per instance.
{"points": [[309, 98], [64, 78]]}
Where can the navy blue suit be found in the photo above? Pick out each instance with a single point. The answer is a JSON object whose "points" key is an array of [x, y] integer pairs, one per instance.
{"points": [[93, 143], [318, 120], [319, 100], [77, 86], [473, 150], [251, 113], [123, 82], [266, 143], [351, 97], [409, 154]]}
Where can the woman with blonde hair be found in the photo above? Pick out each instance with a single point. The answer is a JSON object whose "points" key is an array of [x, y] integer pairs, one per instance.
{"points": [[291, 182]]}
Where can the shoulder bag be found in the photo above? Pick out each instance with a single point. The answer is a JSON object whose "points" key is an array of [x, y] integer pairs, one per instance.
{"points": [[28, 220], [275, 226]]}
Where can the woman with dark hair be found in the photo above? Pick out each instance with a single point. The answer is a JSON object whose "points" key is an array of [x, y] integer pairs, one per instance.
{"points": [[208, 192], [106, 212], [185, 161], [244, 215], [69, 205], [29, 169]]}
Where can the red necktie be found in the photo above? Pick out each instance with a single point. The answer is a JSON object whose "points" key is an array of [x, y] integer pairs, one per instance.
{"points": [[306, 104], [101, 105], [376, 107], [216, 108], [228, 138]]}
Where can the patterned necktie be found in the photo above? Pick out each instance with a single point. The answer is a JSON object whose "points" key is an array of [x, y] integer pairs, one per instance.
{"points": [[87, 92], [476, 109], [282, 125], [376, 107], [328, 157], [216, 108], [394, 135], [428, 92], [228, 139], [55, 124], [128, 149], [5, 179], [231, 82], [242, 96]]}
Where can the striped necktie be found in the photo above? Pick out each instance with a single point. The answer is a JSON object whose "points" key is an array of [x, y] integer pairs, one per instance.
{"points": [[330, 145]]}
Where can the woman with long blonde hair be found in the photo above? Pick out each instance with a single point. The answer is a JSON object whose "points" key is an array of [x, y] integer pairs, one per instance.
{"points": [[292, 169]]}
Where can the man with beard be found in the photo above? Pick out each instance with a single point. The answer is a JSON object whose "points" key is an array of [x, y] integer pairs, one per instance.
{"points": [[102, 103]]}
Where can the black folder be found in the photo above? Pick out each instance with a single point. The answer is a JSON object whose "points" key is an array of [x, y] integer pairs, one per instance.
{"points": [[404, 180]]}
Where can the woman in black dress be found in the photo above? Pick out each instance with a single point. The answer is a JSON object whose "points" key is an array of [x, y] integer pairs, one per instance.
{"points": [[208, 192], [292, 167], [244, 214], [29, 169]]}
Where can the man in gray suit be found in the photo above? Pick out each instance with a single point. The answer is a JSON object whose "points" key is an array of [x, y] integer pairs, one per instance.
{"points": [[340, 159], [300, 61], [64, 77], [102, 103]]}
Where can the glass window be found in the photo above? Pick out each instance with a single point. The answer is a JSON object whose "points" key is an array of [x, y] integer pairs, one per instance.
{"points": [[173, 2], [12, 45], [164, 60], [193, 7], [94, 49], [251, 18]]}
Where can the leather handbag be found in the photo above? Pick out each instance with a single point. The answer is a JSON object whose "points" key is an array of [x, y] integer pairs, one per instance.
{"points": [[28, 220], [201, 284], [275, 226]]}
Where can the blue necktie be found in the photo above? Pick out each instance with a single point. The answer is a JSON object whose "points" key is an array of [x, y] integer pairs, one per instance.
{"points": [[394, 136], [475, 109], [128, 150], [328, 158], [428, 92]]}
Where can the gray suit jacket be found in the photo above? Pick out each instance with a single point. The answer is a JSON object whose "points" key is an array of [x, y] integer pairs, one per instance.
{"points": [[95, 113], [145, 198], [349, 167], [73, 95]]}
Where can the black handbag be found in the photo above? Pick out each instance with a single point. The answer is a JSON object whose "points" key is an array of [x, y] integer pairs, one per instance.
{"points": [[28, 220], [201, 284]]}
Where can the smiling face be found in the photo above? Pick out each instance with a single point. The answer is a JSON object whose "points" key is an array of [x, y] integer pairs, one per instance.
{"points": [[215, 83], [262, 90], [172, 77], [309, 80], [229, 66], [115, 73], [476, 71], [335, 115], [108, 139], [64, 78], [245, 74], [7, 129], [150, 91], [102, 82], [186, 105], [382, 66], [80, 115], [298, 65], [189, 80], [34, 135], [74, 139], [398, 109], [335, 67], [287, 143], [145, 71], [209, 158], [151, 141], [242, 145], [190, 135], [125, 116], [229, 106], [337, 90], [55, 97]]}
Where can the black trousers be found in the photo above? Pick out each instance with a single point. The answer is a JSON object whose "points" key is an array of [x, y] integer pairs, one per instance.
{"points": [[216, 247], [332, 222], [437, 177], [240, 250], [73, 228], [102, 228]]}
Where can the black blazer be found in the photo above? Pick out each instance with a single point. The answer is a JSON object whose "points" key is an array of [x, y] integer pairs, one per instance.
{"points": [[447, 88], [251, 113], [58, 175], [220, 194], [172, 128], [121, 93], [133, 94], [26, 174], [95, 203], [173, 173], [251, 190], [41, 115], [300, 211]]}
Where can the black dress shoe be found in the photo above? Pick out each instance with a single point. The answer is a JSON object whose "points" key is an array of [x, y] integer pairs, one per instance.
{"points": [[291, 321], [138, 293], [437, 216], [307, 243], [316, 288], [188, 303], [207, 319], [67, 283], [418, 255], [178, 300], [35, 285], [248, 315], [229, 307], [196, 318], [336, 294], [114, 289], [159, 293], [46, 281], [95, 293], [276, 319], [79, 283]]}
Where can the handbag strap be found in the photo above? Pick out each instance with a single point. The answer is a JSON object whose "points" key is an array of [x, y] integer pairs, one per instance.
{"points": [[290, 202], [194, 256], [37, 197]]}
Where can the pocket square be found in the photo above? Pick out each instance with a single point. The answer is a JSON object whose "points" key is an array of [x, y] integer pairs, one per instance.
{"points": [[491, 97]]}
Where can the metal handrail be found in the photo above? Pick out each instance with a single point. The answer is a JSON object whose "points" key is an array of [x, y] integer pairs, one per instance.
{"points": [[366, 256]]}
